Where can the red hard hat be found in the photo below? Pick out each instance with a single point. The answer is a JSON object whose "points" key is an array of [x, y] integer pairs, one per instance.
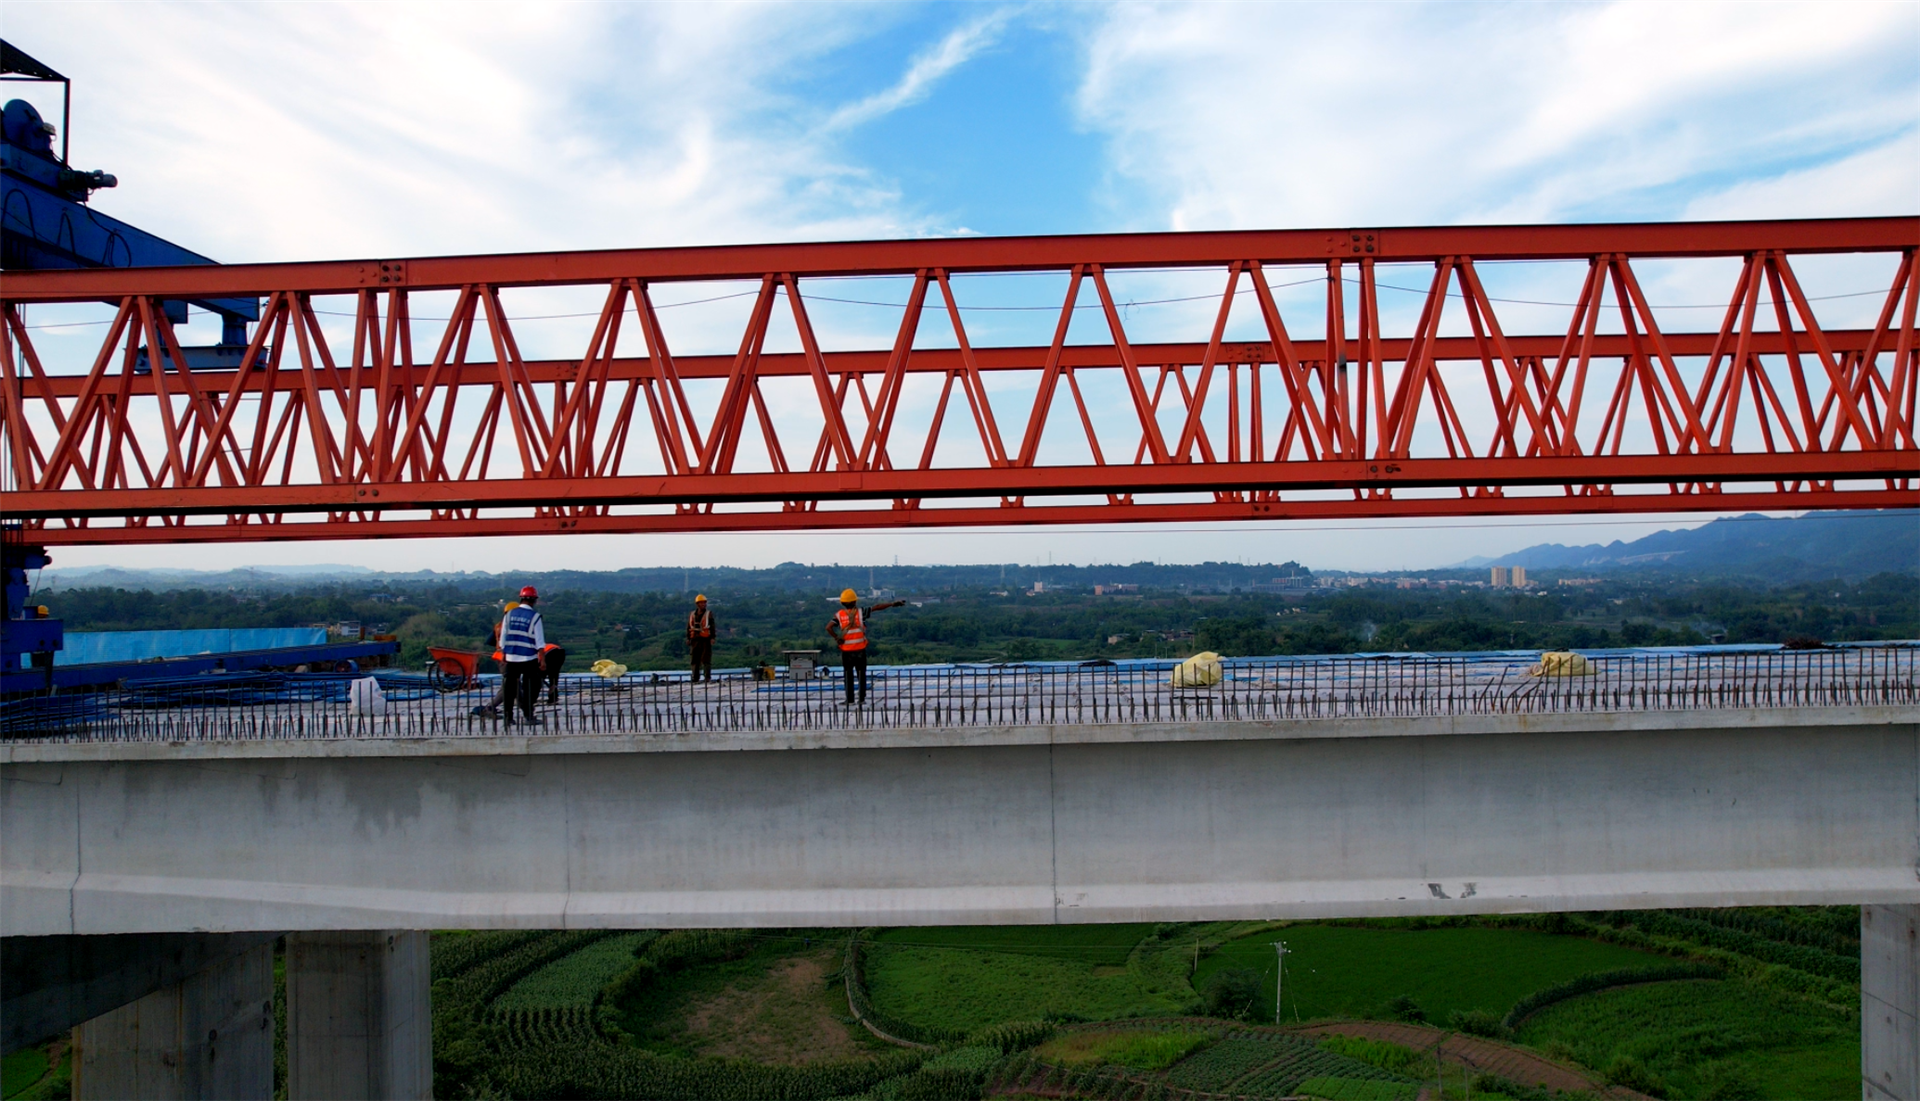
{"points": [[529, 593]]}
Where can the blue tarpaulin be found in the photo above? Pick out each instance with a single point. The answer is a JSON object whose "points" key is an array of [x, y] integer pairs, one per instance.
{"points": [[91, 647]]}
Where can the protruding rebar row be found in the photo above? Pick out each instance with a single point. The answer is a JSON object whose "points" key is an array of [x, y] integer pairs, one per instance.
{"points": [[284, 706]]}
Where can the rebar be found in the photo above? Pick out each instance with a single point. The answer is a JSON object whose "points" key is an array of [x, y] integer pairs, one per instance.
{"points": [[222, 707]]}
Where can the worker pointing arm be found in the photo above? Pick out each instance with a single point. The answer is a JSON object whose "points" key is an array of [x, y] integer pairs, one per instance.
{"points": [[848, 628]]}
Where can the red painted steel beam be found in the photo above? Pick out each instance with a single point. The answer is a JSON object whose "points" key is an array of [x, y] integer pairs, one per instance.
{"points": [[819, 520], [972, 254], [1035, 481], [446, 417]]}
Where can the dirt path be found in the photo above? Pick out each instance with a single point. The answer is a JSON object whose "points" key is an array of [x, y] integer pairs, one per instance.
{"points": [[1487, 1056], [787, 1016]]}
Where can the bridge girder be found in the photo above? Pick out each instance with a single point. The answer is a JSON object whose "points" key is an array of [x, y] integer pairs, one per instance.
{"points": [[336, 427]]}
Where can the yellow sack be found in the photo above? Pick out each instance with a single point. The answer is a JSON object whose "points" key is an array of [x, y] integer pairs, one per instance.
{"points": [[609, 668], [1562, 663], [1202, 670]]}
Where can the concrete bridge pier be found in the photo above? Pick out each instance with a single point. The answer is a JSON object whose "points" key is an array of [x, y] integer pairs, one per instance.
{"points": [[1890, 1002], [208, 1035], [359, 1015]]}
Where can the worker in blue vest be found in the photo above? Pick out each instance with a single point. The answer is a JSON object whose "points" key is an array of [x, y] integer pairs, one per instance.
{"points": [[522, 637]]}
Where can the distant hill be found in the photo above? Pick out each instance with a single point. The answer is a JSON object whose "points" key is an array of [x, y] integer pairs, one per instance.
{"points": [[1204, 577], [1816, 546]]}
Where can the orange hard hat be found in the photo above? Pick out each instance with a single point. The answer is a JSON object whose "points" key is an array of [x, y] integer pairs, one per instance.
{"points": [[848, 596], [701, 599]]}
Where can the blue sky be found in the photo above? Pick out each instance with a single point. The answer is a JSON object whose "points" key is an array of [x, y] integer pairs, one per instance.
{"points": [[297, 131]]}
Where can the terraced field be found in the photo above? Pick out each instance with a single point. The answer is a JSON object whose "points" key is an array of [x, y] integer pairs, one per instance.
{"points": [[1083, 1012]]}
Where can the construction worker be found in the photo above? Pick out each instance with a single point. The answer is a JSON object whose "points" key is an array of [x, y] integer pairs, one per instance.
{"points": [[553, 658], [522, 636], [849, 629], [492, 707], [700, 638]]}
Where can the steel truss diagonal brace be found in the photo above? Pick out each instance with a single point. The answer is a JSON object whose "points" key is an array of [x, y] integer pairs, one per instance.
{"points": [[1356, 373]]}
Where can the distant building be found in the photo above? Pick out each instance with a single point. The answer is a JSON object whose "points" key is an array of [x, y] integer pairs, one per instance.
{"points": [[1509, 577], [1110, 590]]}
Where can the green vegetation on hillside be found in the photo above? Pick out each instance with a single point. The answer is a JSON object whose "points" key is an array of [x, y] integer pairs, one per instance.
{"points": [[1708, 1039], [1356, 971], [1135, 1050], [957, 614], [1679, 1004], [966, 978]]}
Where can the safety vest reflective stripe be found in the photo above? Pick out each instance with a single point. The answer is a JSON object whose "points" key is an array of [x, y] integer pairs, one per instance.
{"points": [[853, 633], [700, 624], [517, 640]]}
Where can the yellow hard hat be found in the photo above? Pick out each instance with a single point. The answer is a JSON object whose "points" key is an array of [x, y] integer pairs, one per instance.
{"points": [[512, 604], [848, 596], [701, 599]]}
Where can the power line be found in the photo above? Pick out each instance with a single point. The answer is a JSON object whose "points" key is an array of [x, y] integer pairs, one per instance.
{"points": [[1131, 304]]}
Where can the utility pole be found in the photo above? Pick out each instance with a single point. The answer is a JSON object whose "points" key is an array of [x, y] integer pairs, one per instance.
{"points": [[1279, 977]]}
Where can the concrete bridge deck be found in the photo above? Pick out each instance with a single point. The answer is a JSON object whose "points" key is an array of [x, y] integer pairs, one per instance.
{"points": [[966, 824]]}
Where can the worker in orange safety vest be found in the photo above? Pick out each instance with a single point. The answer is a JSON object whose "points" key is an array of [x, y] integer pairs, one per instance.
{"points": [[849, 628], [700, 638]]}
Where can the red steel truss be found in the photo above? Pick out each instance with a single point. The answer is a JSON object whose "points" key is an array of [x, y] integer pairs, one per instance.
{"points": [[442, 427]]}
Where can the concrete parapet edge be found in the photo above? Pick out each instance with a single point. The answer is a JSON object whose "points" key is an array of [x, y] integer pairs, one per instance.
{"points": [[933, 737]]}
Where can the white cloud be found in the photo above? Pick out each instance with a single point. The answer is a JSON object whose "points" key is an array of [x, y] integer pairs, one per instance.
{"points": [[1281, 115], [1881, 179], [273, 132], [953, 51]]}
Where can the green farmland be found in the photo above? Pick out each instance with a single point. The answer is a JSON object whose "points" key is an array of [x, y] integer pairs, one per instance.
{"points": [[1347, 971], [1706, 1039], [1709, 1004], [966, 978]]}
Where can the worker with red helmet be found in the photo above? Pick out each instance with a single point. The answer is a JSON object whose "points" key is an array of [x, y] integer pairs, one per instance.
{"points": [[700, 638], [522, 637], [849, 629]]}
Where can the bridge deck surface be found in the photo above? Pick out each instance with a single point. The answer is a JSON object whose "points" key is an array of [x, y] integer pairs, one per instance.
{"points": [[279, 706]]}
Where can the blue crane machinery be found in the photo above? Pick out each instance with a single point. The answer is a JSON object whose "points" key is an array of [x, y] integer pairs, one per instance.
{"points": [[47, 223]]}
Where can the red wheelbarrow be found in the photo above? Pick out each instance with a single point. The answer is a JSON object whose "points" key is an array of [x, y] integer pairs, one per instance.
{"points": [[452, 670]]}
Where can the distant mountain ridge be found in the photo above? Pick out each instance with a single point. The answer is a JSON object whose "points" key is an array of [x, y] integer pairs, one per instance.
{"points": [[1815, 546], [786, 577]]}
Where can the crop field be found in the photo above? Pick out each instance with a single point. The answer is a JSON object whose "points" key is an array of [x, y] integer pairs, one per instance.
{"points": [[966, 985], [1678, 1004], [1350, 971], [572, 981], [1135, 1049], [1356, 1089], [1707, 1038], [1265, 1064], [1100, 945], [1222, 1064]]}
